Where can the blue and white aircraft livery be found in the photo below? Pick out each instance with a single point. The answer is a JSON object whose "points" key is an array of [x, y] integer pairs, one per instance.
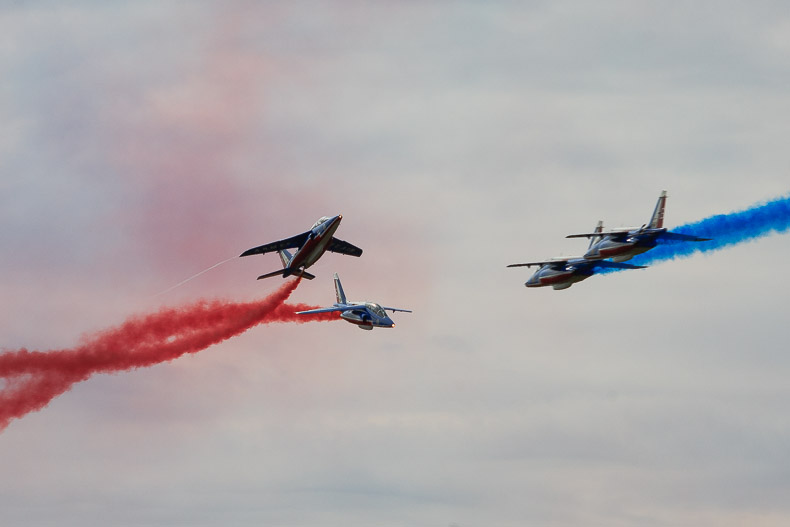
{"points": [[310, 246], [561, 273], [622, 245], [365, 315]]}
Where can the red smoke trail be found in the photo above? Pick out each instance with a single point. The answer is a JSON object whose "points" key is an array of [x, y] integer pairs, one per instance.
{"points": [[31, 379]]}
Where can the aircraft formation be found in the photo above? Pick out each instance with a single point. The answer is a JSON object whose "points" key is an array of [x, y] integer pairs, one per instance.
{"points": [[310, 246], [606, 250]]}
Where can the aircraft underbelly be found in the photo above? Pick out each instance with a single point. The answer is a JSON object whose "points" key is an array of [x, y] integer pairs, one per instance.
{"points": [[363, 320], [560, 280], [613, 250], [632, 251], [313, 248], [310, 253], [364, 324], [555, 278]]}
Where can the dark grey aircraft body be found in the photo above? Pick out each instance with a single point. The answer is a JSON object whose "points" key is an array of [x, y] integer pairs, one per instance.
{"points": [[622, 245], [310, 246]]}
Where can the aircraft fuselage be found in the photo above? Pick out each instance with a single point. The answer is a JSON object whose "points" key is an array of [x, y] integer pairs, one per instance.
{"points": [[622, 248], [315, 246], [368, 316], [559, 277]]}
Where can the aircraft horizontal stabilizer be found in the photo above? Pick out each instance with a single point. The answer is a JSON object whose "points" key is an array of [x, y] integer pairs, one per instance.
{"points": [[281, 272], [593, 234], [675, 236], [616, 265], [273, 273], [328, 309], [530, 264]]}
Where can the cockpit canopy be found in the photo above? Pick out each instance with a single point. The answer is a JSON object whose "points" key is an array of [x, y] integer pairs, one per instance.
{"points": [[376, 309], [320, 221]]}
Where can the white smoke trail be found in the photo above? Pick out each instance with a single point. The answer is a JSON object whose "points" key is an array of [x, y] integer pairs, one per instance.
{"points": [[193, 277]]}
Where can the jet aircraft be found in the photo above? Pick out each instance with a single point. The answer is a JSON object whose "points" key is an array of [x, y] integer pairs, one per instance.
{"points": [[310, 246], [366, 315], [622, 245], [561, 273]]}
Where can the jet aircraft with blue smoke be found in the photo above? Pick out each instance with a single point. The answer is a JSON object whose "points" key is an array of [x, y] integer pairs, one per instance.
{"points": [[365, 315], [622, 245], [561, 273]]}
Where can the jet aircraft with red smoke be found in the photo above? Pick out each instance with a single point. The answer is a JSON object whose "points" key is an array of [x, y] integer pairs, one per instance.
{"points": [[365, 315], [310, 246]]}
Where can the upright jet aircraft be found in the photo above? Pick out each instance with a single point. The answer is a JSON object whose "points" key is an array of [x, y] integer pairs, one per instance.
{"points": [[622, 245], [366, 315], [310, 246], [561, 273]]}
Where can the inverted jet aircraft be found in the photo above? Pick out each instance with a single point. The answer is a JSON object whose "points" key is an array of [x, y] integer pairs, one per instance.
{"points": [[366, 315], [561, 273], [310, 246], [622, 245]]}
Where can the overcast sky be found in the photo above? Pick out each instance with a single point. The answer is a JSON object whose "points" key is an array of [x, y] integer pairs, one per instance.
{"points": [[145, 141]]}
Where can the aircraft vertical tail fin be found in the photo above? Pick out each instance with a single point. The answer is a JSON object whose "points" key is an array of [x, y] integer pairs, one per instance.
{"points": [[594, 239], [657, 219], [339, 293], [285, 257]]}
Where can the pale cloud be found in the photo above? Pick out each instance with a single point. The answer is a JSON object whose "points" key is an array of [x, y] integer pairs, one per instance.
{"points": [[147, 141]]}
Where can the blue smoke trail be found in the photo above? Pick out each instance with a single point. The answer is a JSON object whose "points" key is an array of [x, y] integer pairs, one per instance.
{"points": [[755, 222]]}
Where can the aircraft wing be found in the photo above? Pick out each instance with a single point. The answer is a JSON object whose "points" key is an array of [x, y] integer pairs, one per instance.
{"points": [[615, 265], [303, 274], [591, 234], [288, 243], [339, 246], [675, 236], [397, 309], [329, 309], [530, 264]]}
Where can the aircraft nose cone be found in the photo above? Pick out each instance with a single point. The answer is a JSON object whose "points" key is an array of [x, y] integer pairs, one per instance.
{"points": [[333, 222]]}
